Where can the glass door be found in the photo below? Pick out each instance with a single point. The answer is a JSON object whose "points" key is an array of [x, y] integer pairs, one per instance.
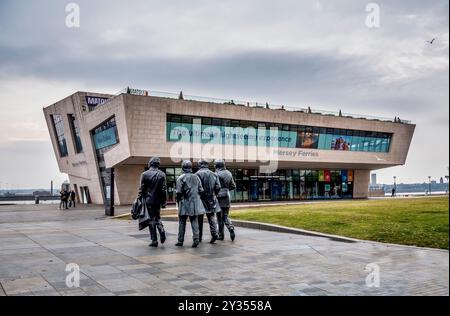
{"points": [[275, 189], [264, 190], [254, 190]]}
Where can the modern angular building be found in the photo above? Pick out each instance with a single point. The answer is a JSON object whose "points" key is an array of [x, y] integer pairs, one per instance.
{"points": [[103, 142]]}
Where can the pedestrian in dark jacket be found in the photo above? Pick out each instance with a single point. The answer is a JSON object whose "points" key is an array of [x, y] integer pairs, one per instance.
{"points": [[393, 192], [211, 187], [61, 196], [189, 191], [64, 196], [153, 192], [226, 185], [72, 196]]}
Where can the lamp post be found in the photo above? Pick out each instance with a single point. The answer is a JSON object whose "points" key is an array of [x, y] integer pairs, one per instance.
{"points": [[429, 185]]}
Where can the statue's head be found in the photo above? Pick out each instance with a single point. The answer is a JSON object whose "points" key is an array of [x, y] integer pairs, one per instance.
{"points": [[202, 163], [219, 164], [154, 162], [186, 166]]}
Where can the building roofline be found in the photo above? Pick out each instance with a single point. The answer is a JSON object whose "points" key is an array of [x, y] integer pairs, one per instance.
{"points": [[265, 106]]}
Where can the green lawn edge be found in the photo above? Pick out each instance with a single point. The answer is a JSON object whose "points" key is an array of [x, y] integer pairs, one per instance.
{"points": [[422, 222]]}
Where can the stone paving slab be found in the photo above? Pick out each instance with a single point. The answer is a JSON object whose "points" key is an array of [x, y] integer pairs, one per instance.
{"points": [[115, 259]]}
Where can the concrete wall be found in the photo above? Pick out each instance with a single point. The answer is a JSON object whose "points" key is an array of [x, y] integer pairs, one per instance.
{"points": [[127, 183], [377, 193], [361, 184]]}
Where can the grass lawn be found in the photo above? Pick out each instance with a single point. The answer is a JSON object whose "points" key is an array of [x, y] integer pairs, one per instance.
{"points": [[410, 221]]}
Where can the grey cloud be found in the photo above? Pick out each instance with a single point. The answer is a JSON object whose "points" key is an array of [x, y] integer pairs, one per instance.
{"points": [[283, 52], [293, 74], [282, 77]]}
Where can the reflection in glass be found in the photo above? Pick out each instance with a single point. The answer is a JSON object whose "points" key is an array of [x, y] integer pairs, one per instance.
{"points": [[250, 133]]}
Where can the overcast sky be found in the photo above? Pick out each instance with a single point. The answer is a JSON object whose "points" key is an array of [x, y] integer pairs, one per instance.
{"points": [[317, 53]]}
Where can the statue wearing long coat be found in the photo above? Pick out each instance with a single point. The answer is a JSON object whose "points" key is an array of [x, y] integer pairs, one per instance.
{"points": [[227, 184], [211, 186], [189, 188], [152, 192]]}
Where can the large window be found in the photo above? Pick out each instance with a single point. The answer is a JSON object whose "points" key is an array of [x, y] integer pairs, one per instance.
{"points": [[237, 132], [75, 133], [283, 185], [58, 127], [106, 134]]}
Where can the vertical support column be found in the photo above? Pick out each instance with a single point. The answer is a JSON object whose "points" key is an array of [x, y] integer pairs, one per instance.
{"points": [[361, 184], [109, 193]]}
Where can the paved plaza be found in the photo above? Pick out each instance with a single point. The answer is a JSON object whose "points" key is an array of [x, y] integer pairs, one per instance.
{"points": [[38, 241]]}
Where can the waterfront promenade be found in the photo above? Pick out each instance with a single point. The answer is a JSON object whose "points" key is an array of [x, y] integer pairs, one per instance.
{"points": [[38, 241]]}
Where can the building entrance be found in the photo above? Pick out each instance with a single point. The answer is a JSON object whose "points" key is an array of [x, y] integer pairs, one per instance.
{"points": [[283, 185]]}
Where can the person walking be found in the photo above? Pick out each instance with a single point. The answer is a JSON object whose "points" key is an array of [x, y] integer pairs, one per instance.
{"points": [[64, 196], [61, 199], [189, 192], [72, 196], [211, 187], [226, 185], [152, 191]]}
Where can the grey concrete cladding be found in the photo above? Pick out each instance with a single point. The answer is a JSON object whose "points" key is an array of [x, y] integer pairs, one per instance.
{"points": [[142, 133]]}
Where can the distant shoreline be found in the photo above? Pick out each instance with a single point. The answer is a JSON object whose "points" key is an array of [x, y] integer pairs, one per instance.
{"points": [[437, 193]]}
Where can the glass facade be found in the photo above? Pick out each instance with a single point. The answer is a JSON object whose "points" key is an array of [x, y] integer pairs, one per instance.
{"points": [[106, 134], [58, 127], [249, 133], [76, 134], [283, 185]]}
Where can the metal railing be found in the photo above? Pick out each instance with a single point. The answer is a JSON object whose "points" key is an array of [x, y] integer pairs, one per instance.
{"points": [[266, 105]]}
